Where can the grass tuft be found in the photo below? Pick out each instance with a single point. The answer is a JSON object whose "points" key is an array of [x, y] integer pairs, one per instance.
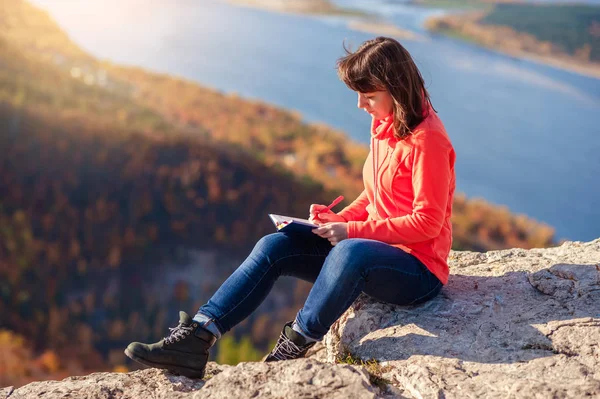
{"points": [[373, 367]]}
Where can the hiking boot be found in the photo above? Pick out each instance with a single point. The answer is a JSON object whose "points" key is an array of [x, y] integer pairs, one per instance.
{"points": [[183, 352], [290, 345]]}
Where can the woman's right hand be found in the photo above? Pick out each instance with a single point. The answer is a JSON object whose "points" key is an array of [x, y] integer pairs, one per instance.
{"points": [[319, 215]]}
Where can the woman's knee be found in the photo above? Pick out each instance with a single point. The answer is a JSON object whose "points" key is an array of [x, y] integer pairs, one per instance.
{"points": [[269, 242], [350, 248], [264, 253], [272, 246], [348, 256]]}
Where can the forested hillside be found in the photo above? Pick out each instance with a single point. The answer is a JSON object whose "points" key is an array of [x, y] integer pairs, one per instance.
{"points": [[85, 199]]}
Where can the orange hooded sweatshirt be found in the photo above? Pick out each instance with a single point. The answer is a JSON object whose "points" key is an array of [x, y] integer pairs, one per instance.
{"points": [[409, 189]]}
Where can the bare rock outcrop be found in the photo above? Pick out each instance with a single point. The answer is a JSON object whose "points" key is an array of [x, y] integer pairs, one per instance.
{"points": [[509, 324], [301, 378]]}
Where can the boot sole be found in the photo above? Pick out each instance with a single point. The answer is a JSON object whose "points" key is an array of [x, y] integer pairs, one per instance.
{"points": [[185, 371]]}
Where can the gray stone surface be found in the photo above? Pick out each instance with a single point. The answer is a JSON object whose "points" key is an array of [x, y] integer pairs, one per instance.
{"points": [[301, 378], [509, 324], [5, 392]]}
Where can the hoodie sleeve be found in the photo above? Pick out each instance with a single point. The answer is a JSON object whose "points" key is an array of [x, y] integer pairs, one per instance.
{"points": [[357, 210], [431, 179]]}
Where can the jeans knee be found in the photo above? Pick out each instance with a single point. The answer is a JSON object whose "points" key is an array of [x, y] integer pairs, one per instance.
{"points": [[270, 242], [347, 257], [351, 248], [349, 244], [272, 247]]}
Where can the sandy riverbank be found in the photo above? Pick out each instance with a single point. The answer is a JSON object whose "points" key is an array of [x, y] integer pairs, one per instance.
{"points": [[363, 22], [384, 29], [369, 24], [556, 62], [323, 7], [504, 40]]}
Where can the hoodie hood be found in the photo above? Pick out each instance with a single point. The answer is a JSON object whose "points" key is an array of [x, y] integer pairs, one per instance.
{"points": [[382, 128]]}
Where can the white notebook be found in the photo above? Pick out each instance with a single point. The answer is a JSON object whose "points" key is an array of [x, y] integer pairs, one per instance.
{"points": [[292, 224]]}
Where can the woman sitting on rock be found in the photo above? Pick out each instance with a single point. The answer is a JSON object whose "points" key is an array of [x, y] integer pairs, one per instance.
{"points": [[392, 242]]}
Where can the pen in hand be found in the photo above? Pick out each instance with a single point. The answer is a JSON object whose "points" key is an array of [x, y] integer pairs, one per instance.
{"points": [[334, 203]]}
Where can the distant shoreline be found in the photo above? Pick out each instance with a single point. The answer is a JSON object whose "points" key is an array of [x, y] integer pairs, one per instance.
{"points": [[310, 7], [553, 61], [366, 22], [467, 28], [384, 29], [369, 24], [564, 64]]}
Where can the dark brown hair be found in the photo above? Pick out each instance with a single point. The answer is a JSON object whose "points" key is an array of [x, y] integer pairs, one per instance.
{"points": [[384, 64]]}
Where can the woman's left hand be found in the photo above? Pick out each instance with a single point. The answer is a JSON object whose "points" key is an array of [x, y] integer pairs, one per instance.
{"points": [[334, 232]]}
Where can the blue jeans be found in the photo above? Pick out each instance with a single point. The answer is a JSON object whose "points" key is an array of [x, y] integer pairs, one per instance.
{"points": [[339, 273]]}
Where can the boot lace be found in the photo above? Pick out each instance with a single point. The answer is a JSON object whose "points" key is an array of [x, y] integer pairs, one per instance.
{"points": [[178, 333], [286, 349]]}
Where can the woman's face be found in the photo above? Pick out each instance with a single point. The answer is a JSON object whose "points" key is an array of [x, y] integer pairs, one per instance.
{"points": [[378, 104]]}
